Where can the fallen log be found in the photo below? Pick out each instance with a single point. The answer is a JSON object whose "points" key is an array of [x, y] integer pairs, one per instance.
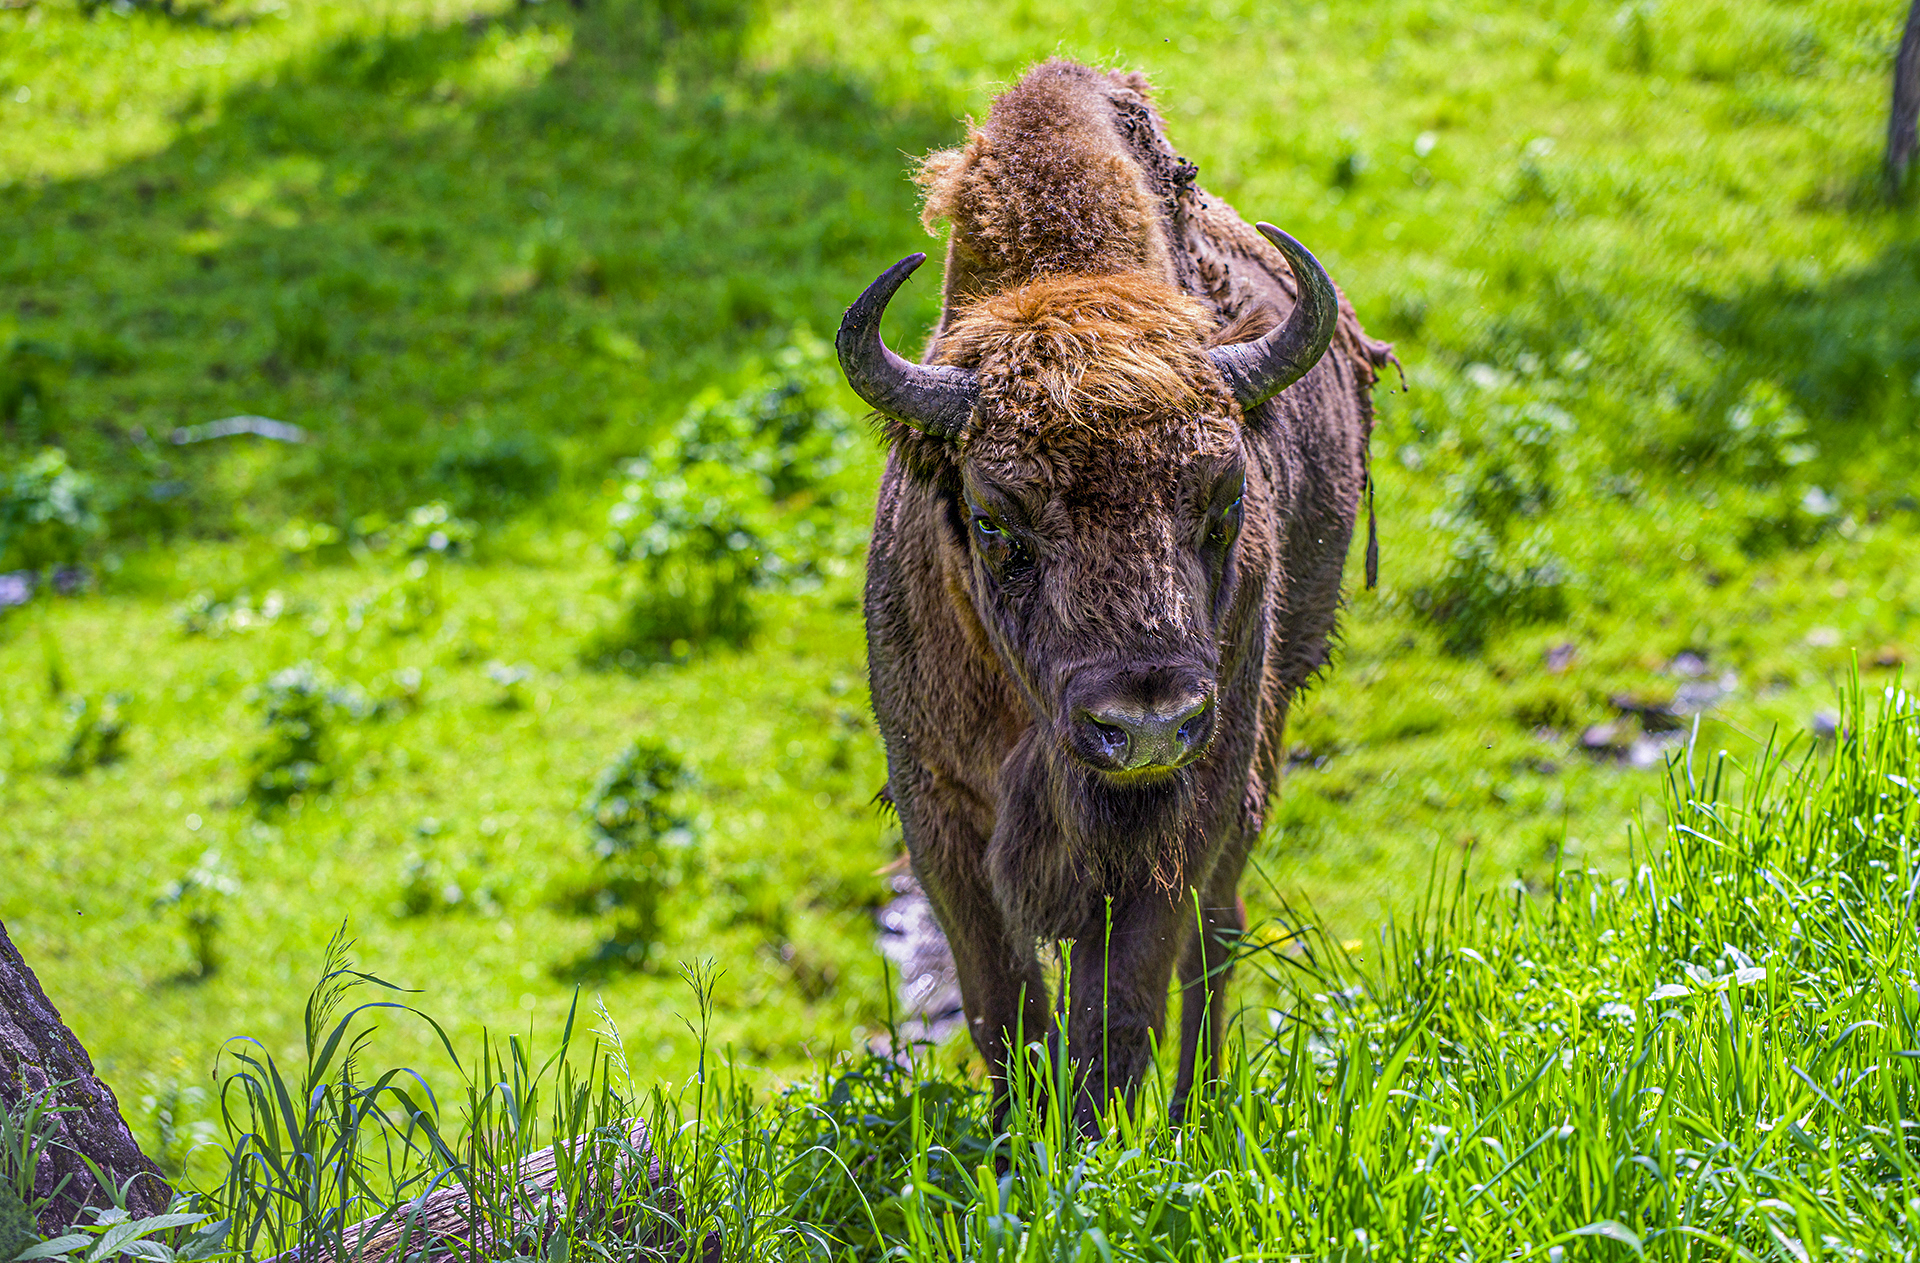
{"points": [[443, 1223]]}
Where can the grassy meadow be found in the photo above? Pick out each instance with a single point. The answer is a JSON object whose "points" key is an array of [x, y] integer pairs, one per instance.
{"points": [[530, 278]]}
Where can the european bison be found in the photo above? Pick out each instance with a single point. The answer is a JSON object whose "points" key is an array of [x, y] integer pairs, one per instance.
{"points": [[1117, 502]]}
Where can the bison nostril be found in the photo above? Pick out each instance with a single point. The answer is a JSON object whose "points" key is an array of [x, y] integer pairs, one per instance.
{"points": [[1193, 724], [1124, 739]]}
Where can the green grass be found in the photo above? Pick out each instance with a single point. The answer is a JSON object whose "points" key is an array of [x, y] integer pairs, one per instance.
{"points": [[1662, 339], [1708, 1057]]}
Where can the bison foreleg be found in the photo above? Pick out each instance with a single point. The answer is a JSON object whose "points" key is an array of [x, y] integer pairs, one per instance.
{"points": [[1003, 991], [1118, 1006], [1219, 920]]}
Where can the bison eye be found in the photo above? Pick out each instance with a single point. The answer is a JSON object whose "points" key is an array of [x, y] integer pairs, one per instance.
{"points": [[1002, 551], [1226, 526]]}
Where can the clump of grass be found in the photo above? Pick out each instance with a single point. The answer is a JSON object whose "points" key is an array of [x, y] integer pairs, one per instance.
{"points": [[1499, 571], [321, 1155], [32, 381], [1707, 1057], [433, 529], [1487, 583], [508, 679], [175, 1119], [294, 756], [696, 553], [746, 491], [402, 606], [494, 473], [303, 335], [642, 823], [49, 512], [96, 734], [433, 884], [205, 614], [27, 1130], [199, 896]]}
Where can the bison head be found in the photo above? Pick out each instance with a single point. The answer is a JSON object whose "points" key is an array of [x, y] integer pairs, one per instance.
{"points": [[1095, 448]]}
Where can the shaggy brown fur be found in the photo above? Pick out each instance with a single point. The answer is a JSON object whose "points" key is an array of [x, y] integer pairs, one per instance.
{"points": [[1109, 536]]}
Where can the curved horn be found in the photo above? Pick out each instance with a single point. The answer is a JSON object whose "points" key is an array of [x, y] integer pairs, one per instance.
{"points": [[1257, 371], [935, 398]]}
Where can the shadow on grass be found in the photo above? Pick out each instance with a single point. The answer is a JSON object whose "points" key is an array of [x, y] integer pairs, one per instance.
{"points": [[1847, 350], [543, 229]]}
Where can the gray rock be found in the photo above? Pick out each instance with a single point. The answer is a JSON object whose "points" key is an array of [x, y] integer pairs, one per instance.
{"points": [[16, 587], [1600, 737], [929, 989], [1688, 665]]}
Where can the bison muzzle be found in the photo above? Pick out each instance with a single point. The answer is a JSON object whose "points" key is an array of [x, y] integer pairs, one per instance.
{"points": [[1118, 499]]}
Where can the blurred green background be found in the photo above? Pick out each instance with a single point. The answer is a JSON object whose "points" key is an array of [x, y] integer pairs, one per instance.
{"points": [[539, 661]]}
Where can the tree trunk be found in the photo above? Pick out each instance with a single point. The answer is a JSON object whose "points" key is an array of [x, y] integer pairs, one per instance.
{"points": [[1902, 139], [40, 1056]]}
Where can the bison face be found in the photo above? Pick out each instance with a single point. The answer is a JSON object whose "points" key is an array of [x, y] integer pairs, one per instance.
{"points": [[1088, 437], [1105, 584]]}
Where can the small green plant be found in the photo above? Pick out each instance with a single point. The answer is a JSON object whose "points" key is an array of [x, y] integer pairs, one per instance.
{"points": [[32, 377], [431, 885], [433, 530], [302, 336], [1487, 583], [293, 758], [509, 680], [171, 1108], [204, 614], [17, 1229], [49, 513], [302, 540], [692, 540], [421, 891], [494, 474], [27, 1130], [641, 823], [748, 490], [1765, 435], [1785, 515], [114, 1233], [400, 607], [96, 734], [1498, 570], [199, 895], [401, 692], [1636, 46]]}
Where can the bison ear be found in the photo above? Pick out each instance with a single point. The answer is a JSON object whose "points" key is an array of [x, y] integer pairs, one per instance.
{"points": [[1255, 322]]}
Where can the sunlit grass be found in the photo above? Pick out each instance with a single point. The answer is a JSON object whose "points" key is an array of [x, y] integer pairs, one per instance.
{"points": [[1707, 1056], [420, 230]]}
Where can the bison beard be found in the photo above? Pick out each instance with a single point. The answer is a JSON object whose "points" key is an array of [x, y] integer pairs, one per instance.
{"points": [[1065, 836], [1137, 445]]}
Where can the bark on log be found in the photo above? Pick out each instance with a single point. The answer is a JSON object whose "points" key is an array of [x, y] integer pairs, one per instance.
{"points": [[40, 1056], [1903, 125], [441, 1222]]}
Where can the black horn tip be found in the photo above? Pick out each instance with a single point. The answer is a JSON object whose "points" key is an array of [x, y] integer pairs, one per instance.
{"points": [[1306, 269], [877, 295], [937, 399], [1257, 371]]}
